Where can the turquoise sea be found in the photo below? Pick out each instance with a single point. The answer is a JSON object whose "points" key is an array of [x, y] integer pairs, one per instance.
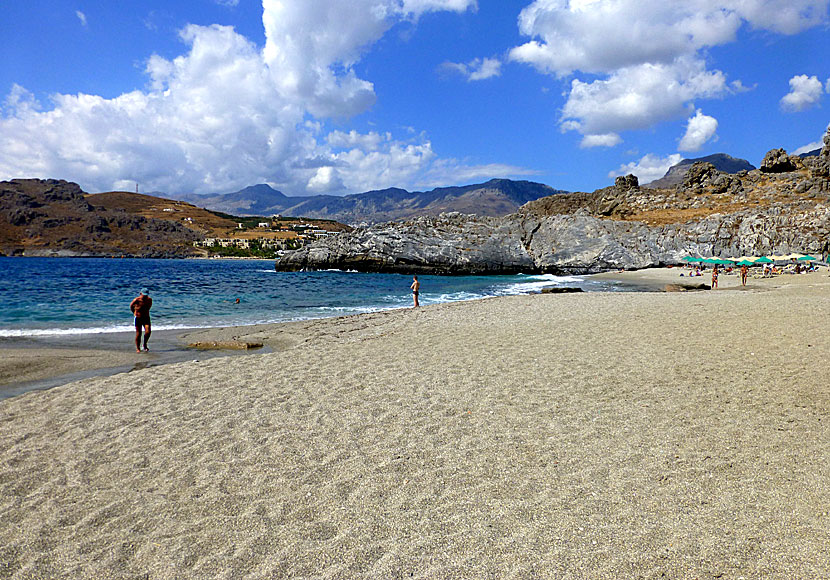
{"points": [[70, 296]]}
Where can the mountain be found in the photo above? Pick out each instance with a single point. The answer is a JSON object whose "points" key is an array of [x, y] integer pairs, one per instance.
{"points": [[721, 162], [497, 197], [258, 199]]}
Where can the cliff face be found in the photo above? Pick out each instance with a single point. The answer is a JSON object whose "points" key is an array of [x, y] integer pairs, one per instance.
{"points": [[709, 213]]}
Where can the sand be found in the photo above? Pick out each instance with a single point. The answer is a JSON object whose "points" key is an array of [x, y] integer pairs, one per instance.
{"points": [[594, 435]]}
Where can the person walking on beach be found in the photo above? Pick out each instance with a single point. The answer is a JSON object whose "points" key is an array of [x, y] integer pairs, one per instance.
{"points": [[415, 287], [140, 307], [715, 277], [744, 272]]}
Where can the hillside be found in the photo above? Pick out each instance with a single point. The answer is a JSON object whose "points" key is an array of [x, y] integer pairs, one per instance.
{"points": [[55, 217], [497, 197]]}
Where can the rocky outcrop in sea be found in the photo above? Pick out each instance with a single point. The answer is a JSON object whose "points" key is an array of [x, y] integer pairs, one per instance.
{"points": [[781, 208]]}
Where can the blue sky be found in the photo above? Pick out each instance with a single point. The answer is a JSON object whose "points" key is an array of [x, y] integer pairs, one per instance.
{"points": [[329, 96]]}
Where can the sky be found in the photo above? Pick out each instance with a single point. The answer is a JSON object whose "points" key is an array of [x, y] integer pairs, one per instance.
{"points": [[346, 96]]}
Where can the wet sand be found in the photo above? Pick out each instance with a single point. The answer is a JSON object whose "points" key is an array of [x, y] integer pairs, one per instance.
{"points": [[593, 435]]}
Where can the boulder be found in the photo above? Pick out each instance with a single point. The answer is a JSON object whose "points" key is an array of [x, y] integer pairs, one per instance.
{"points": [[778, 161], [627, 182], [686, 287]]}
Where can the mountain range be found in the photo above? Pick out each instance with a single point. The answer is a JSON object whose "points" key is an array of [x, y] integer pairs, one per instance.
{"points": [[495, 198]]}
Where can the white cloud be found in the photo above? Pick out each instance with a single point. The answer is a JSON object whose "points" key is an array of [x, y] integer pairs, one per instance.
{"points": [[808, 147], [604, 140], [805, 92], [648, 168], [325, 180], [445, 171], [368, 142], [81, 16], [636, 63], [226, 113], [477, 69], [637, 97], [601, 36], [699, 130]]}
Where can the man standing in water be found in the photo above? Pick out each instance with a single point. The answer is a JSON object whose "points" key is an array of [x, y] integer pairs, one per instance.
{"points": [[140, 307], [415, 287]]}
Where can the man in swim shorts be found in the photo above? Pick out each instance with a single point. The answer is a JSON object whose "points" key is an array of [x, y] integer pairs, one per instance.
{"points": [[140, 307], [415, 287]]}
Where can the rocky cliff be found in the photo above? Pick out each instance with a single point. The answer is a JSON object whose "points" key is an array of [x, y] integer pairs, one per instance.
{"points": [[782, 207]]}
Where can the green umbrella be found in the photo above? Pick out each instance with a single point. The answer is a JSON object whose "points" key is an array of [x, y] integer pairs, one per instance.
{"points": [[808, 258], [744, 263], [691, 259], [763, 260]]}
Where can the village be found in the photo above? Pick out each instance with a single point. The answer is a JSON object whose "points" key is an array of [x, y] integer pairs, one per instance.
{"points": [[277, 235]]}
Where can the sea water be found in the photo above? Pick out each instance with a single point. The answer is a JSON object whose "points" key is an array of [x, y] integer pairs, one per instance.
{"points": [[69, 296]]}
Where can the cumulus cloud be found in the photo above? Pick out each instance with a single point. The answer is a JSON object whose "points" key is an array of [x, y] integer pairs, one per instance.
{"points": [[228, 113], [648, 168], [644, 59], [637, 97], [605, 140], [805, 92], [81, 16], [699, 130], [477, 69]]}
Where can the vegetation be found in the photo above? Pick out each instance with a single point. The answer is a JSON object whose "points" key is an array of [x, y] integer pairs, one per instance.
{"points": [[255, 251]]}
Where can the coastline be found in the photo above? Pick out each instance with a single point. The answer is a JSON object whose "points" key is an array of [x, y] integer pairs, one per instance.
{"points": [[37, 363], [607, 434]]}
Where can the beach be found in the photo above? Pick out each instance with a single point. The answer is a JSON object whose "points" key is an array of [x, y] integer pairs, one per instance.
{"points": [[583, 435]]}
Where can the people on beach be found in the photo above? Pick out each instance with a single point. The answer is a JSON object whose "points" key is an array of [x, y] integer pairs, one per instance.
{"points": [[415, 288], [715, 277], [140, 307], [744, 272]]}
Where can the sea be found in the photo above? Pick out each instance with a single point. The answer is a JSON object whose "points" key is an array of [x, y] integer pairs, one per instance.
{"points": [[75, 296]]}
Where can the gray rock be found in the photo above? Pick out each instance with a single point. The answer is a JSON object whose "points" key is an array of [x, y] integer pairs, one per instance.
{"points": [[778, 161]]}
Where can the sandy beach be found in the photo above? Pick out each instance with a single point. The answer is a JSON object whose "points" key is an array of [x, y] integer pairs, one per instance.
{"points": [[586, 435]]}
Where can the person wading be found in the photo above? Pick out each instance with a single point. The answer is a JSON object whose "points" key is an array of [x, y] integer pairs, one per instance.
{"points": [[415, 287], [140, 307]]}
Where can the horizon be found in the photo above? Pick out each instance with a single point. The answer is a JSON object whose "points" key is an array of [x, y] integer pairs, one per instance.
{"points": [[333, 97]]}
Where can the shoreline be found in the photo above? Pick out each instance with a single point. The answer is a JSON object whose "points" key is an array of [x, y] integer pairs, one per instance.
{"points": [[44, 362], [596, 435]]}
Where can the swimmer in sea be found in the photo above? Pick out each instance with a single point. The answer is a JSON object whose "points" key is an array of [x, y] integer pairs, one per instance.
{"points": [[140, 307]]}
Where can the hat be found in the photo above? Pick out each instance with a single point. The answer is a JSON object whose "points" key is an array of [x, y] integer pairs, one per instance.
{"points": [[145, 292]]}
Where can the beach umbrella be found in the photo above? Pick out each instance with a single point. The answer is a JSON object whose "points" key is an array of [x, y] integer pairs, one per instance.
{"points": [[744, 263], [763, 260], [808, 258], [691, 259]]}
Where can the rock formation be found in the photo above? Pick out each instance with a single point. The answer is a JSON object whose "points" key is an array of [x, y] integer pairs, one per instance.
{"points": [[778, 210], [722, 162]]}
